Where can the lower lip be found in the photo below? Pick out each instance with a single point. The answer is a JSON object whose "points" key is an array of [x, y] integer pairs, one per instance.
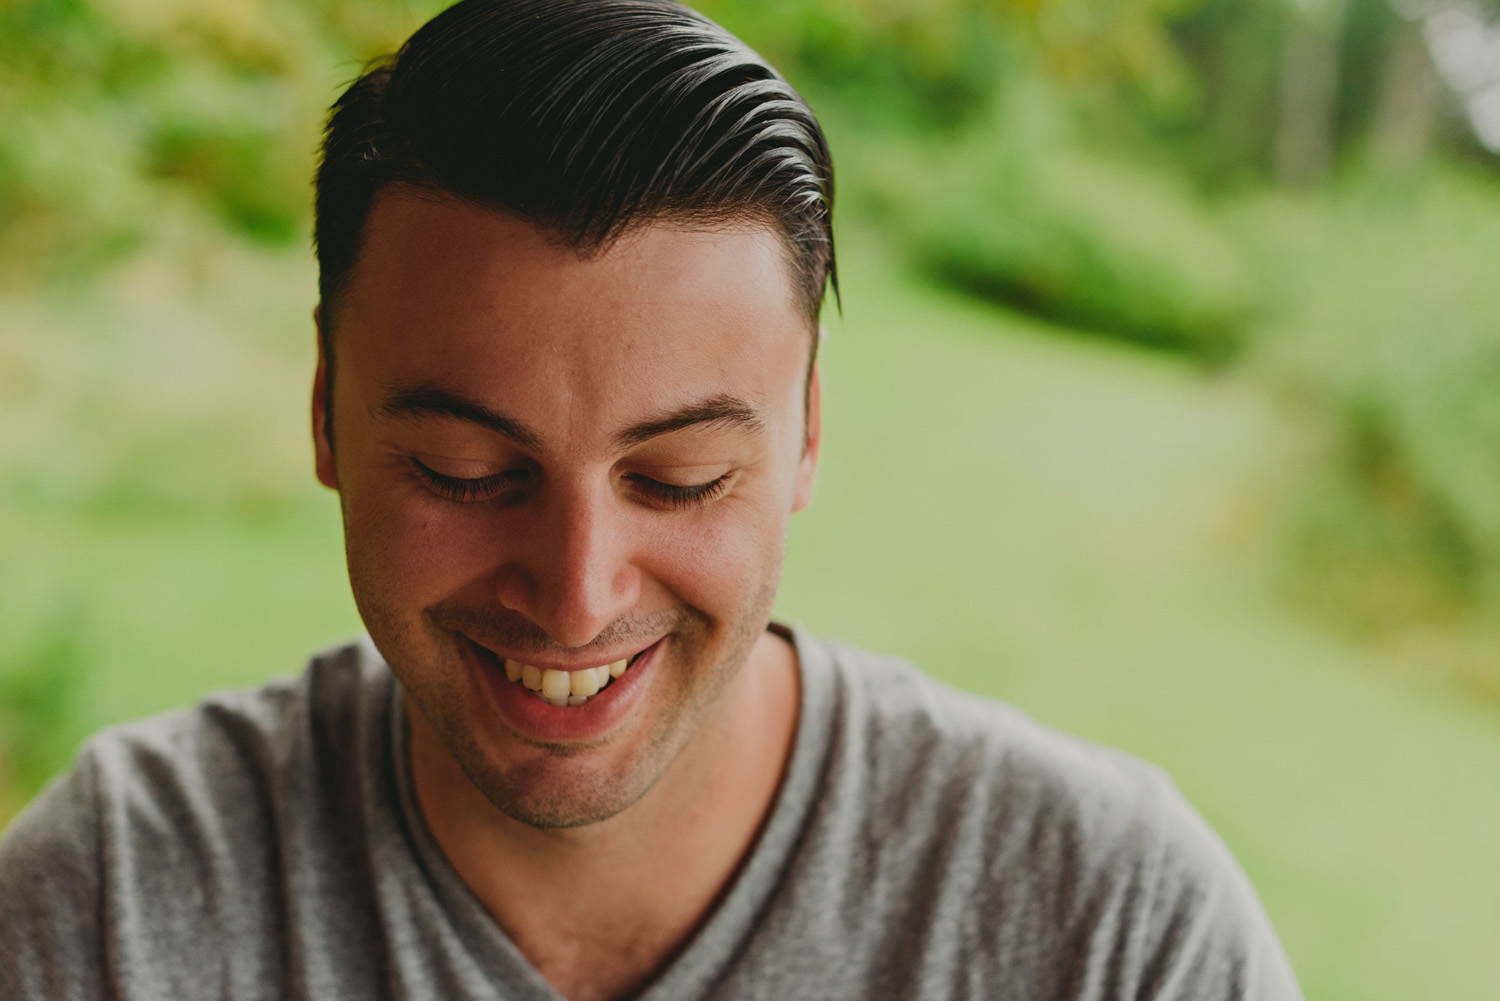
{"points": [[546, 723]]}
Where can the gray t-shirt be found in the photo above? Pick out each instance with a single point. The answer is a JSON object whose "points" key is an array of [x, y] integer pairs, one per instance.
{"points": [[924, 844]]}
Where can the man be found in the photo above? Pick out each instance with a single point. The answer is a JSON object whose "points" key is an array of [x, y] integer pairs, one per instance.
{"points": [[572, 256]]}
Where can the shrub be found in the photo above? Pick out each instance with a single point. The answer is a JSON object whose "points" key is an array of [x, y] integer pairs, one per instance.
{"points": [[1017, 210]]}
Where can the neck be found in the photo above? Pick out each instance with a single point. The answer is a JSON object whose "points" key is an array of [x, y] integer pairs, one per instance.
{"points": [[599, 909]]}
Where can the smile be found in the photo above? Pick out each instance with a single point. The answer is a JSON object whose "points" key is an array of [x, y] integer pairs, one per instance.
{"points": [[566, 688]]}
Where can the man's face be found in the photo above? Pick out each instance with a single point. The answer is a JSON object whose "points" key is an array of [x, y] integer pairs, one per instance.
{"points": [[566, 462]]}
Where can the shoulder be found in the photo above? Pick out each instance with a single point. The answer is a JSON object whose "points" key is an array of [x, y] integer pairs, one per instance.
{"points": [[245, 730], [1066, 854], [175, 827], [215, 766], [916, 732], [49, 892]]}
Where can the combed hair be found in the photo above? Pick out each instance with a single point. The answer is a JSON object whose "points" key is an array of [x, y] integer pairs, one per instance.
{"points": [[585, 118]]}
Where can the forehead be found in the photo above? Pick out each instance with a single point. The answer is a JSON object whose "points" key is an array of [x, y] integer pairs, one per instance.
{"points": [[485, 304], [414, 239]]}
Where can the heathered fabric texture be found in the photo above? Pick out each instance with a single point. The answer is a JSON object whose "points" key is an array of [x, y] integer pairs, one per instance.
{"points": [[925, 844]]}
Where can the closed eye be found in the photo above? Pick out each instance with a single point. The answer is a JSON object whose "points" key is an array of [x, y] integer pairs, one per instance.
{"points": [[463, 489], [678, 495]]}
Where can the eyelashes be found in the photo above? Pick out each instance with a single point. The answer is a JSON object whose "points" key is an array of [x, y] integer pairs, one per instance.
{"points": [[513, 481], [461, 490], [676, 496]]}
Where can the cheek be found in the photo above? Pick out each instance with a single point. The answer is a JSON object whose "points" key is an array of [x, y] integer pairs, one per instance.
{"points": [[719, 564], [408, 553], [728, 561]]}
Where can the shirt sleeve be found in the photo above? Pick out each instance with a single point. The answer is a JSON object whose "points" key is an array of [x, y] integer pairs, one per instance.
{"points": [[50, 887], [1206, 934]]}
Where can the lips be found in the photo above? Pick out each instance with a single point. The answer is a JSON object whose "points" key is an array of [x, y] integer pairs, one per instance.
{"points": [[563, 718]]}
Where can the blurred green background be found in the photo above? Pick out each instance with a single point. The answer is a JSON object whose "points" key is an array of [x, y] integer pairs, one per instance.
{"points": [[1165, 399]]}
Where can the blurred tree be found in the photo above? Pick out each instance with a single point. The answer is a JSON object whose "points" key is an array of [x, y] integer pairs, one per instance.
{"points": [[1095, 43], [1401, 133], [1305, 137]]}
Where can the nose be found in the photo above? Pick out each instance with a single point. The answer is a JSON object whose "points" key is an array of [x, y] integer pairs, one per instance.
{"points": [[573, 573]]}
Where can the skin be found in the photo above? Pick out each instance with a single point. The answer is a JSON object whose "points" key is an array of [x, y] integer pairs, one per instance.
{"points": [[568, 389]]}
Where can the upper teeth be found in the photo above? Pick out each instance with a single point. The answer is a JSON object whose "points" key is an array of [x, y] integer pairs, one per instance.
{"points": [[563, 688]]}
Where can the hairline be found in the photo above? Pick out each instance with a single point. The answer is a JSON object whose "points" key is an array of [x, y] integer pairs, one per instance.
{"points": [[731, 218]]}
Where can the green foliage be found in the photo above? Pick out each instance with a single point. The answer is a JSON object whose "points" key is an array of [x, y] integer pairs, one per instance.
{"points": [[1386, 334], [112, 111], [1235, 48], [962, 122], [224, 135], [918, 67], [41, 676], [1017, 210]]}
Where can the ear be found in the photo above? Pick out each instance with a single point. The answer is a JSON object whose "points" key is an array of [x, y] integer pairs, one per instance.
{"points": [[807, 469], [322, 444]]}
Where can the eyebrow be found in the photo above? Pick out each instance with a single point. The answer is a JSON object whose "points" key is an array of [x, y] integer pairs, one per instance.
{"points": [[722, 410], [419, 402], [425, 401]]}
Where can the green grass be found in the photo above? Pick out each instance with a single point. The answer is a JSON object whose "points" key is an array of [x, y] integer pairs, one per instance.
{"points": [[1077, 527]]}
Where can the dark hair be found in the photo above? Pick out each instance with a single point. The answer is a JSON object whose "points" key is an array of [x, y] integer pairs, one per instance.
{"points": [[584, 117]]}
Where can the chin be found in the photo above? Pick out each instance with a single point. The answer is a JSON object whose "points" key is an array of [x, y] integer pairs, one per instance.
{"points": [[554, 804]]}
